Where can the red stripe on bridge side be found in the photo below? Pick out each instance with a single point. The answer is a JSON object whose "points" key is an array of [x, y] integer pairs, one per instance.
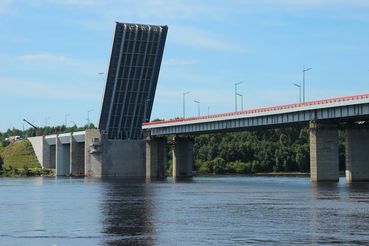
{"points": [[253, 111]]}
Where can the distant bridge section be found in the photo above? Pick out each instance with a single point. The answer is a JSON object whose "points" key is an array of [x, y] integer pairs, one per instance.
{"points": [[132, 76], [343, 109]]}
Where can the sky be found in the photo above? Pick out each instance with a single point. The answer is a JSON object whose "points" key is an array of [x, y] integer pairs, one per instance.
{"points": [[52, 51]]}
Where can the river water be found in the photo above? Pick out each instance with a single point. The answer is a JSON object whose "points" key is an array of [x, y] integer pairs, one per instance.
{"points": [[226, 210]]}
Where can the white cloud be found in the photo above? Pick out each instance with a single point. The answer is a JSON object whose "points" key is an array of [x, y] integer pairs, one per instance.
{"points": [[73, 2], [42, 57], [4, 5], [50, 76], [55, 63], [315, 2], [31, 88]]}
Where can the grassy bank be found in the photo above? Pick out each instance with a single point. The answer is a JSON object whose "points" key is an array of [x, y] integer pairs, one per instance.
{"points": [[21, 160], [19, 154]]}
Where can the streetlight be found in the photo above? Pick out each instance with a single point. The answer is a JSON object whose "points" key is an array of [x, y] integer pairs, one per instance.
{"points": [[88, 118], [235, 94], [102, 76], [198, 103], [299, 86], [66, 115], [303, 79], [74, 123], [241, 100], [208, 110], [184, 93], [46, 121]]}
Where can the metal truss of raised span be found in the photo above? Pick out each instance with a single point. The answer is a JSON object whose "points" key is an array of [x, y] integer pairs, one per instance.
{"points": [[131, 80], [343, 109]]}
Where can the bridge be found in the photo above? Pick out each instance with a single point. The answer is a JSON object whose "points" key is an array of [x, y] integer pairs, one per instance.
{"points": [[336, 110], [121, 146], [323, 117]]}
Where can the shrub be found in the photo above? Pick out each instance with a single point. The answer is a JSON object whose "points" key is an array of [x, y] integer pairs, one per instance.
{"points": [[5, 143], [26, 170], [242, 167], [207, 167], [219, 165]]}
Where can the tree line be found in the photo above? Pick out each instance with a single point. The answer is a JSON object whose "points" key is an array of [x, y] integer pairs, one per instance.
{"points": [[273, 150]]}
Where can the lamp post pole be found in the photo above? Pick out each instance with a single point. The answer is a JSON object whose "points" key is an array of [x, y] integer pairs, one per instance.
{"points": [[235, 94], [46, 121], [102, 76], [184, 103], [88, 118], [303, 79], [299, 86], [66, 115], [241, 100], [198, 105]]}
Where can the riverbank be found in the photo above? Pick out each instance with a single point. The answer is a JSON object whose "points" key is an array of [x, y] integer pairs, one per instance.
{"points": [[26, 172]]}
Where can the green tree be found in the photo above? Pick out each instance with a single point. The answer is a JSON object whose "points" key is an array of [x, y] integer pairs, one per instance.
{"points": [[219, 166], [157, 119], [242, 167]]}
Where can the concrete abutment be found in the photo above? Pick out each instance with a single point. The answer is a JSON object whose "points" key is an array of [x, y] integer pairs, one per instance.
{"points": [[113, 157]]}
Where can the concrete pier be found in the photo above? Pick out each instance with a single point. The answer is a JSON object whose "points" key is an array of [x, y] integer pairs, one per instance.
{"points": [[156, 157], [93, 153], [77, 152], [324, 161], [183, 156], [48, 152], [62, 154], [357, 153]]}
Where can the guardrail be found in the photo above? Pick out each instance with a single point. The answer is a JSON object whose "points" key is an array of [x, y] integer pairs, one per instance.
{"points": [[253, 111]]}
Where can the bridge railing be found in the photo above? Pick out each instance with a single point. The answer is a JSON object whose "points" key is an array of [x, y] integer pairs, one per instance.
{"points": [[260, 110]]}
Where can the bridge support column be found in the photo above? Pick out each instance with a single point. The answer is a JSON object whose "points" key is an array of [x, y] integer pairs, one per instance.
{"points": [[62, 157], [93, 153], [324, 154], [156, 157], [48, 154], [183, 156], [77, 156], [357, 153]]}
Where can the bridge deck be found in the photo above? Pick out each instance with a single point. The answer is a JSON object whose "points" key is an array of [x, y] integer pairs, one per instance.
{"points": [[337, 109]]}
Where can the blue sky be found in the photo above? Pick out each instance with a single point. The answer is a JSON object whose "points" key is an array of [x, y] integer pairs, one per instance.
{"points": [[51, 52]]}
